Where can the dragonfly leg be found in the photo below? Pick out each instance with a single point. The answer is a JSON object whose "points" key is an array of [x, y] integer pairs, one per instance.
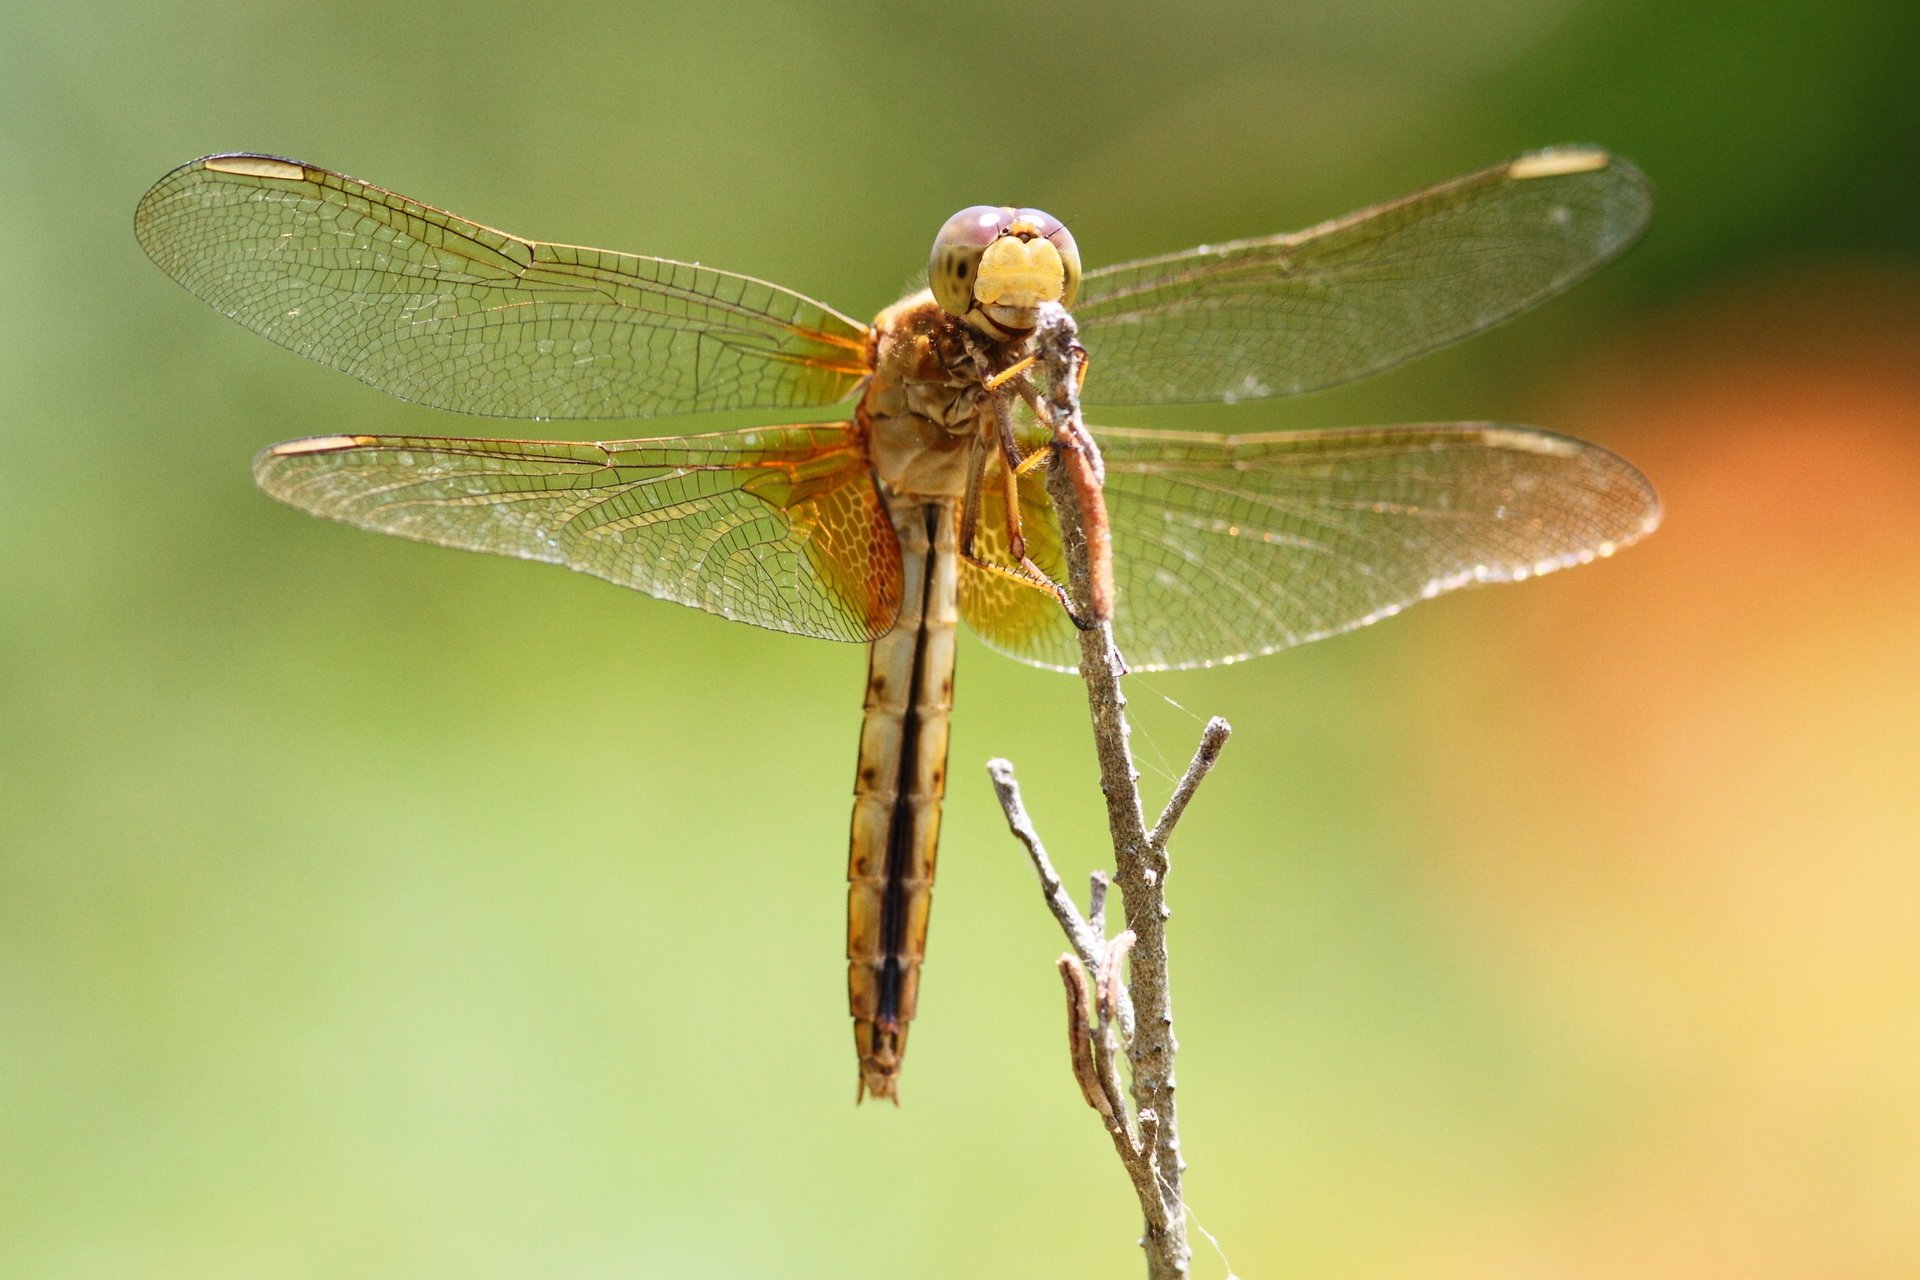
{"points": [[1010, 495], [1023, 571], [970, 505], [1081, 456], [1012, 371], [1042, 454], [1009, 474], [1029, 574], [1031, 394], [1001, 387]]}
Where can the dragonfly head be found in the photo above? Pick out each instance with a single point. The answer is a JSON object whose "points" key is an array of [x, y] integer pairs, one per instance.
{"points": [[993, 267]]}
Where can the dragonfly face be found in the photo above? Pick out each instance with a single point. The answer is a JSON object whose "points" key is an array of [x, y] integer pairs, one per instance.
{"points": [[994, 266], [914, 510]]}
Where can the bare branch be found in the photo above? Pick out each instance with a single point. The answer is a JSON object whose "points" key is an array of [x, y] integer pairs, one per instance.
{"points": [[1137, 864], [1146, 1135], [1211, 740]]}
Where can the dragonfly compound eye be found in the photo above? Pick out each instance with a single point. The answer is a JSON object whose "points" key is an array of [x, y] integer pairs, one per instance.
{"points": [[956, 254]]}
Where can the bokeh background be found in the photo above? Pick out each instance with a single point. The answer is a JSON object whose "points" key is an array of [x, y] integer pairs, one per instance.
{"points": [[373, 910]]}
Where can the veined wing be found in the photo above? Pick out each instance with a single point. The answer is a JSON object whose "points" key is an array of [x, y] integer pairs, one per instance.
{"points": [[443, 311], [1291, 313], [778, 526], [1229, 547]]}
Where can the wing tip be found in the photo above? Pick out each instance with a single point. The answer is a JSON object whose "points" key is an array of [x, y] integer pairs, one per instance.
{"points": [[152, 211], [1574, 160], [273, 480]]}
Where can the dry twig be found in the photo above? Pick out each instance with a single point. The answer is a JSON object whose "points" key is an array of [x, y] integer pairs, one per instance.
{"points": [[1146, 1136]]}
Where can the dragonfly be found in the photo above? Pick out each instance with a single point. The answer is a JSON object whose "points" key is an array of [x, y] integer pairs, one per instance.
{"points": [[920, 500]]}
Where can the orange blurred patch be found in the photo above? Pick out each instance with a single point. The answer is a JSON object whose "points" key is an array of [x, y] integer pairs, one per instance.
{"points": [[1689, 803]]}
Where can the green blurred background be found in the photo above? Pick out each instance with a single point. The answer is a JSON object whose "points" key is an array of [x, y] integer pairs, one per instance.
{"points": [[373, 910]]}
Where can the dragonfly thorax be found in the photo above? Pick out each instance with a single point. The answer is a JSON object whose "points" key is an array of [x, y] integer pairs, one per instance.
{"points": [[924, 404], [993, 267]]}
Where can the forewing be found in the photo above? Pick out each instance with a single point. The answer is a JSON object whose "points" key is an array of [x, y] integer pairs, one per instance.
{"points": [[779, 527], [1229, 547], [1292, 313], [443, 311]]}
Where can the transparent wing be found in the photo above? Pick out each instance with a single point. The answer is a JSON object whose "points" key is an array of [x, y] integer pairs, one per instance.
{"points": [[779, 526], [1229, 547], [439, 310], [1293, 313]]}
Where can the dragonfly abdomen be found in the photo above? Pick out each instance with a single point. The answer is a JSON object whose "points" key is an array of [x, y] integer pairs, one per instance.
{"points": [[897, 792]]}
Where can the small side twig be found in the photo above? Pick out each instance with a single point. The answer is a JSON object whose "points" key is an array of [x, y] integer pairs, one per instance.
{"points": [[1088, 943], [1141, 1011], [1212, 739]]}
